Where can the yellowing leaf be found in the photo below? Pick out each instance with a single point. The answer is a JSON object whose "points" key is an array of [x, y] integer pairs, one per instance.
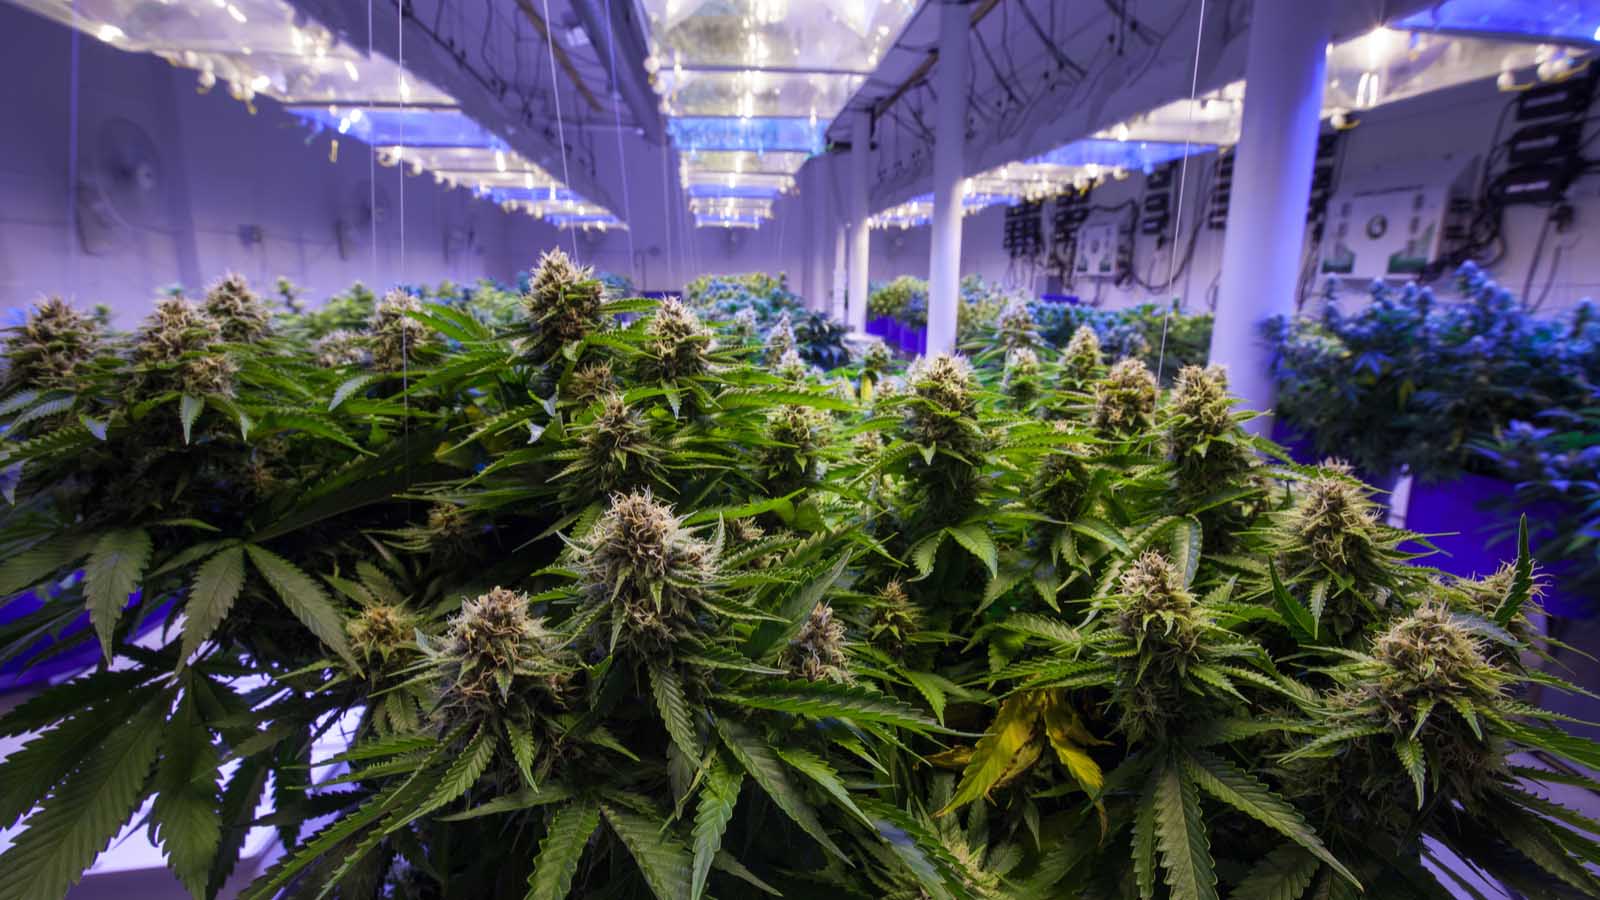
{"points": [[994, 759]]}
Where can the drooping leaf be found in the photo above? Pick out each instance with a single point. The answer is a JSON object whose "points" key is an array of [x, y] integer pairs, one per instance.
{"points": [[304, 597], [758, 760], [216, 586], [674, 707], [713, 810], [1413, 761], [79, 819], [999, 750], [1066, 732], [1242, 791], [1181, 836], [1186, 548], [185, 818], [975, 538], [662, 858], [561, 849], [824, 699], [1301, 623], [1283, 874], [111, 576], [189, 408], [1144, 842]]}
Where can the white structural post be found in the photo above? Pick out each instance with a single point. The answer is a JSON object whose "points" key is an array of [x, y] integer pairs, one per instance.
{"points": [[860, 234], [1261, 250], [841, 274], [949, 164]]}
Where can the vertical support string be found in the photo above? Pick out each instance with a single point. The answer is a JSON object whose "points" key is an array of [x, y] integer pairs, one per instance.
{"points": [[561, 128], [72, 154], [1183, 181]]}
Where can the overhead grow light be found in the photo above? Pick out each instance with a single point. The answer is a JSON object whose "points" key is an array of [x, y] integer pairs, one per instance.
{"points": [[1576, 21]]}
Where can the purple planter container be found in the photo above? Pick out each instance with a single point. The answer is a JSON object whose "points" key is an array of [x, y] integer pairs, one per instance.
{"points": [[1476, 526], [1303, 450], [879, 326], [919, 338]]}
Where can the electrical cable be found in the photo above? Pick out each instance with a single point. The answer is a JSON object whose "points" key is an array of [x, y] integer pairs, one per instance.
{"points": [[622, 162], [372, 173]]}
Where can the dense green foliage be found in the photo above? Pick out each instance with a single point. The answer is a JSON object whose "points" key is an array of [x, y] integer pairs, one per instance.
{"points": [[628, 605], [1411, 381]]}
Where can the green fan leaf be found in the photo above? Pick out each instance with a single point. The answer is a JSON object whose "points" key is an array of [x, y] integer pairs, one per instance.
{"points": [[561, 849], [674, 708], [111, 576], [216, 586], [24, 570], [758, 760], [1240, 790], [1181, 836], [975, 538], [1144, 842], [1521, 579], [304, 597], [1412, 759], [714, 809], [664, 860], [84, 812], [185, 817], [189, 407], [1283, 874], [1186, 536], [824, 699]]}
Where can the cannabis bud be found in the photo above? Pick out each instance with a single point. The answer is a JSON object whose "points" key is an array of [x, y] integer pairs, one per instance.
{"points": [[780, 337], [590, 382], [790, 367], [210, 374], [379, 630], [1335, 520], [238, 311], [1200, 412], [448, 525], [876, 359], [745, 325], [949, 392], [613, 443], [1061, 484], [893, 620], [48, 348], [1015, 327], [1429, 652], [1081, 360], [496, 647], [398, 340], [1155, 607], [1021, 379], [797, 437], [174, 327], [563, 302], [641, 561], [677, 345], [1125, 399], [340, 348], [816, 653]]}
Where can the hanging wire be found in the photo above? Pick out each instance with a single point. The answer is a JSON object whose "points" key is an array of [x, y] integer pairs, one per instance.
{"points": [[72, 155], [622, 163], [372, 174], [666, 205], [561, 128], [1183, 180]]}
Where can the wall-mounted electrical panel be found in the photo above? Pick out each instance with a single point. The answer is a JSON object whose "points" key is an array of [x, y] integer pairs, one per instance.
{"points": [[1104, 247], [1391, 221]]}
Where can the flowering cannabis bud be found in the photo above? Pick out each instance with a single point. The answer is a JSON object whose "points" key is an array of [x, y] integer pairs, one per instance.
{"points": [[238, 311], [745, 325], [210, 374], [340, 348], [1021, 379], [1428, 654], [1201, 412], [790, 367], [1125, 399], [894, 619], [1335, 520], [494, 648], [876, 359], [780, 338], [174, 327], [379, 630], [563, 302], [1015, 327], [641, 561], [397, 339], [592, 381], [448, 524], [1155, 607], [1081, 360], [48, 347], [613, 443], [1061, 484], [949, 390], [816, 653], [677, 345], [797, 436]]}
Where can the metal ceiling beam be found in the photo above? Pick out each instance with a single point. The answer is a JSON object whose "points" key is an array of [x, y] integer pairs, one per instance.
{"points": [[623, 46], [560, 53], [979, 11]]}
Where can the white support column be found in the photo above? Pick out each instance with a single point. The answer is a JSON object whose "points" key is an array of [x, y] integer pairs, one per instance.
{"points": [[841, 272], [949, 164], [860, 234], [1261, 251]]}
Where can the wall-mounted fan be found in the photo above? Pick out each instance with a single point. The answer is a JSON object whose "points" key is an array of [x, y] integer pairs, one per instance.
{"points": [[363, 212], [120, 186]]}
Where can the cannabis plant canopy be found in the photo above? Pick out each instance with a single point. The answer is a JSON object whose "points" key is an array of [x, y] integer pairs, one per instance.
{"points": [[625, 602]]}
